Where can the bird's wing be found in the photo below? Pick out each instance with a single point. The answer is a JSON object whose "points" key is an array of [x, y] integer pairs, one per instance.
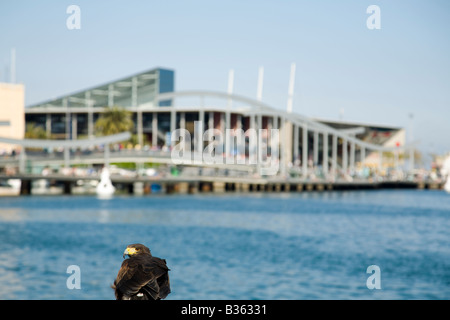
{"points": [[155, 266], [159, 286], [130, 278], [139, 272], [164, 285], [163, 277]]}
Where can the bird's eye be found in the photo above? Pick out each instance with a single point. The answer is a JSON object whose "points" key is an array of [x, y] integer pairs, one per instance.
{"points": [[137, 249]]}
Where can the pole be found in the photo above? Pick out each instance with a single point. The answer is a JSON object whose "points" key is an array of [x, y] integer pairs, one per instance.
{"points": [[230, 86], [291, 89], [334, 156], [260, 84], [305, 151], [411, 150], [13, 66]]}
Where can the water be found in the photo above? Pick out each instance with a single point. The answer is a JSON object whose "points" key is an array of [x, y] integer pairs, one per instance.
{"points": [[255, 246]]}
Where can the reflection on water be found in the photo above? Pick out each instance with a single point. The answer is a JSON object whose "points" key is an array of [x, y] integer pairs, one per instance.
{"points": [[258, 246]]}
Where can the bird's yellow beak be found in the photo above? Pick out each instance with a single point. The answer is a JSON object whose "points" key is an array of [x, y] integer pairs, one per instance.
{"points": [[129, 252]]}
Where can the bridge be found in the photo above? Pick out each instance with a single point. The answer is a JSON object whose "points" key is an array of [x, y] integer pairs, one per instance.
{"points": [[302, 139], [309, 153]]}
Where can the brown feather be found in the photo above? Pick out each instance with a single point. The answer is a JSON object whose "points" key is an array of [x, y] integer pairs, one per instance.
{"points": [[142, 276]]}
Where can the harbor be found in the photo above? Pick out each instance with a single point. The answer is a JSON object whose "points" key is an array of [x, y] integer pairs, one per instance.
{"points": [[230, 153], [62, 184]]}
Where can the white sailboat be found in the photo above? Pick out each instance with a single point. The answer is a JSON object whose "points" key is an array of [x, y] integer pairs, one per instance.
{"points": [[105, 188], [447, 184], [446, 172]]}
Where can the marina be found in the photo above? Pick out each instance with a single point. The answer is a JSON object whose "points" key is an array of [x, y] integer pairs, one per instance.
{"points": [[183, 185], [228, 152]]}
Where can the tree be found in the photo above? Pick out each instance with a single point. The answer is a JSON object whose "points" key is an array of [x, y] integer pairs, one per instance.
{"points": [[33, 131], [114, 120]]}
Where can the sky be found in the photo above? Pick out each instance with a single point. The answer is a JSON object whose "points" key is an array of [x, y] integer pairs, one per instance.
{"points": [[344, 70]]}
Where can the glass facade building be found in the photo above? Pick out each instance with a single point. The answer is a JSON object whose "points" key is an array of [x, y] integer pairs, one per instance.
{"points": [[73, 116]]}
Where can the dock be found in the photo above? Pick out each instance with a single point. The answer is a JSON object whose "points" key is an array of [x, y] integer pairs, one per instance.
{"points": [[204, 184]]}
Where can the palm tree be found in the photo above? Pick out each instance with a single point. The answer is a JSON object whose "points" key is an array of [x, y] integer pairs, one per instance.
{"points": [[33, 131], [114, 120]]}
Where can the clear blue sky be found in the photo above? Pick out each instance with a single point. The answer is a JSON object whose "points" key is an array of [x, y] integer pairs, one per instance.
{"points": [[375, 76]]}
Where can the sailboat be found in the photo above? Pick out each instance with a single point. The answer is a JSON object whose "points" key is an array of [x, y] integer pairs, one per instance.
{"points": [[105, 188], [447, 184], [446, 172]]}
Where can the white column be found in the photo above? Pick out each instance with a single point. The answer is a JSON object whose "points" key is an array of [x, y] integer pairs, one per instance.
{"points": [[287, 141], [352, 156], [283, 145], [252, 122], [344, 156], [211, 124], [201, 129], [325, 153], [259, 122], [275, 122], [334, 154], [182, 120], [316, 148], [296, 137], [238, 121], [227, 125], [252, 143], [139, 118], [305, 151]]}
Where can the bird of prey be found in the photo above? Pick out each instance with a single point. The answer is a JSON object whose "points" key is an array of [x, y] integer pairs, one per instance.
{"points": [[141, 276]]}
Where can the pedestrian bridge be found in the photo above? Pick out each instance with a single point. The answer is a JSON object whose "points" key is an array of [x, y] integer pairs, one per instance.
{"points": [[304, 144]]}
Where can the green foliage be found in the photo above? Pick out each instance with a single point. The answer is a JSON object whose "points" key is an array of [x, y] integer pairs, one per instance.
{"points": [[114, 120], [33, 131]]}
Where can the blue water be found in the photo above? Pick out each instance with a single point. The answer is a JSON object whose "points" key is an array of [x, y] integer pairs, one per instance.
{"points": [[254, 246]]}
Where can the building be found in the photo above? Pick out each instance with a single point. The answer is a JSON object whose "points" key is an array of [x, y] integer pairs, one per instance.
{"points": [[12, 111], [386, 136], [157, 111], [73, 116]]}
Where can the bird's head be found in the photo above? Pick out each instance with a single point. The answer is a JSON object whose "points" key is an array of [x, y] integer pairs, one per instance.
{"points": [[135, 249]]}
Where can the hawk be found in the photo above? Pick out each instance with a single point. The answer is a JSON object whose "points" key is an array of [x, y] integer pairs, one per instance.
{"points": [[141, 276]]}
